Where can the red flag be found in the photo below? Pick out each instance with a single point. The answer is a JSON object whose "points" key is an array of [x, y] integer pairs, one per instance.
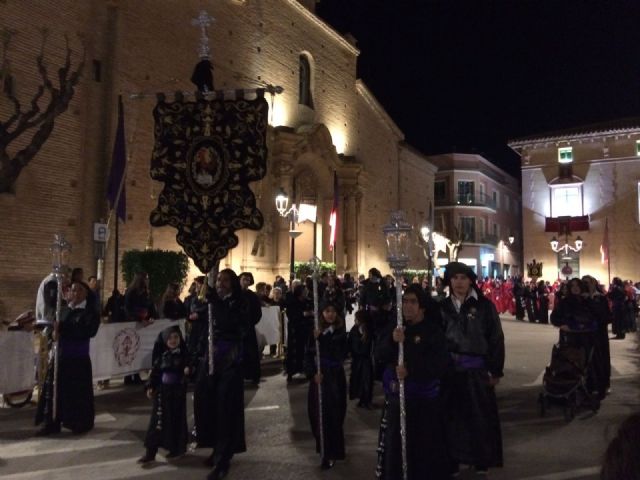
{"points": [[604, 247], [333, 218]]}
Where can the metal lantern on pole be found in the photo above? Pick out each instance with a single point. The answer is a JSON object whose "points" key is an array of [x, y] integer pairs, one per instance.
{"points": [[282, 202], [60, 250], [397, 235]]}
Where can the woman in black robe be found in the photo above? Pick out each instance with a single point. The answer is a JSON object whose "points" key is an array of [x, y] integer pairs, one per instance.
{"points": [[167, 387], [476, 346], [360, 348], [79, 322], [576, 318], [251, 354], [426, 363], [332, 339], [172, 306], [218, 399], [299, 327], [601, 353]]}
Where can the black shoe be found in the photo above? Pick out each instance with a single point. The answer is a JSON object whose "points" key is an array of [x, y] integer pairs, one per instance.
{"points": [[48, 430], [289, 378], [147, 458], [481, 471], [218, 473], [327, 464]]}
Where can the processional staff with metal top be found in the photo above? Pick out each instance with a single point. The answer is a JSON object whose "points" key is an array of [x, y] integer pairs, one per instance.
{"points": [[60, 259], [397, 234], [316, 273]]}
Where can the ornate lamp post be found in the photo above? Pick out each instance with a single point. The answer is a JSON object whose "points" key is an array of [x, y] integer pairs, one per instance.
{"points": [[60, 250], [282, 202], [397, 234], [555, 245]]}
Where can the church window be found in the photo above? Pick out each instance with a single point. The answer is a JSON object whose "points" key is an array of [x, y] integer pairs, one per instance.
{"points": [[565, 154], [566, 200], [305, 97]]}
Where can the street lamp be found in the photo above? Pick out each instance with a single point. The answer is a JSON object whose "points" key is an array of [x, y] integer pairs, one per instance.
{"points": [[282, 202], [427, 237], [397, 234], [555, 245]]}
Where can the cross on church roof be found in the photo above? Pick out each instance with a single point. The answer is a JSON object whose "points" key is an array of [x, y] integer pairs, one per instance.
{"points": [[203, 20]]}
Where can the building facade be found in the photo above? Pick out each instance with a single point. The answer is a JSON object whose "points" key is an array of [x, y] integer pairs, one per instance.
{"points": [[324, 120], [478, 205], [574, 183]]}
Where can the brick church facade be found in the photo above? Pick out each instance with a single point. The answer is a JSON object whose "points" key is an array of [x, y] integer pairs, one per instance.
{"points": [[325, 120]]}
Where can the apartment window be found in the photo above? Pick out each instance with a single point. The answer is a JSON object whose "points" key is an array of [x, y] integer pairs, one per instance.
{"points": [[565, 154], [468, 229], [566, 201], [304, 88], [466, 191], [440, 190], [507, 203], [496, 230], [496, 199], [638, 148]]}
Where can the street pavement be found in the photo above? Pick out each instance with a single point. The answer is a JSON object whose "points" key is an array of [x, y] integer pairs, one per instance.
{"points": [[280, 445]]}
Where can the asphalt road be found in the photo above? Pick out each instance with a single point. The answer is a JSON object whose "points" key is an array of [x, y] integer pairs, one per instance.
{"points": [[280, 445]]}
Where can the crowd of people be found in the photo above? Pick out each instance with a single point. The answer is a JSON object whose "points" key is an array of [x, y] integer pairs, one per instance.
{"points": [[453, 358]]}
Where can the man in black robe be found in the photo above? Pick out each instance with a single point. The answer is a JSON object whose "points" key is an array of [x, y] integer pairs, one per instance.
{"points": [[425, 362], [476, 345], [251, 355], [79, 322], [218, 400]]}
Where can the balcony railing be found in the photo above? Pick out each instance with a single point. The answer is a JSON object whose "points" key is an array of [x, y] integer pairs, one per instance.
{"points": [[478, 237], [467, 200]]}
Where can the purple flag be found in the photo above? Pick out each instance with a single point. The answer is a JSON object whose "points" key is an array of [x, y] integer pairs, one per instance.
{"points": [[115, 188]]}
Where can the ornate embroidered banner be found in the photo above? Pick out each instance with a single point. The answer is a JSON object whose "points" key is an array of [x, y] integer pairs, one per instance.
{"points": [[206, 152]]}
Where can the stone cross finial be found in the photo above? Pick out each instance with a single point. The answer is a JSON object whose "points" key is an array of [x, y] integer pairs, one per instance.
{"points": [[203, 21]]}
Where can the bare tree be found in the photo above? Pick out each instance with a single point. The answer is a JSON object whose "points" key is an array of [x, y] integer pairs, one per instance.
{"points": [[34, 123]]}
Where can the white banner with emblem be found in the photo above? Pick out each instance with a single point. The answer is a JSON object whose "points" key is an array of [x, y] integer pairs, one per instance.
{"points": [[118, 349]]}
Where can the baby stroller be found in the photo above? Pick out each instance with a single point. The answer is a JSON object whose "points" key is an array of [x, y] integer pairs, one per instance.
{"points": [[565, 379]]}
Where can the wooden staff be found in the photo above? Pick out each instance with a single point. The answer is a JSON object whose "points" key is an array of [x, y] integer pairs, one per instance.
{"points": [[316, 321]]}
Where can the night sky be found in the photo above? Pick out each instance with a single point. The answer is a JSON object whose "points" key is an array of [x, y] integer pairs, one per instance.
{"points": [[467, 76]]}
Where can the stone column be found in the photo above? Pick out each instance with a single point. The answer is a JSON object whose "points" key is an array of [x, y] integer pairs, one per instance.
{"points": [[351, 225]]}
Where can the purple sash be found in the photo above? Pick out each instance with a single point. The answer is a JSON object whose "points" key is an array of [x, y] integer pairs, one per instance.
{"points": [[412, 388], [170, 378], [326, 363], [222, 348], [74, 348], [468, 362]]}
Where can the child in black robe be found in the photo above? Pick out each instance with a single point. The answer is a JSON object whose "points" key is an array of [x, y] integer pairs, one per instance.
{"points": [[360, 343], [332, 340], [168, 390]]}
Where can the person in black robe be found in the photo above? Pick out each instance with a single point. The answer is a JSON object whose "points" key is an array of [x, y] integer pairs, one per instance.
{"points": [[332, 340], [425, 363], [299, 327], [519, 295], [575, 316], [542, 295], [218, 399], [601, 354], [530, 301], [251, 353], [618, 299], [360, 348], [168, 390], [197, 314], [79, 322], [476, 346]]}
